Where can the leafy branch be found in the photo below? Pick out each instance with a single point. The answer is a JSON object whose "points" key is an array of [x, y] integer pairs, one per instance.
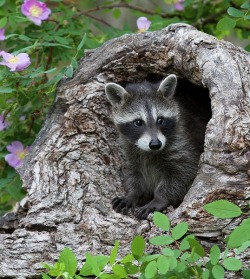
{"points": [[189, 260]]}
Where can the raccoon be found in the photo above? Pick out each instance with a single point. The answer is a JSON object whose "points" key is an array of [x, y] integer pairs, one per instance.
{"points": [[161, 149]]}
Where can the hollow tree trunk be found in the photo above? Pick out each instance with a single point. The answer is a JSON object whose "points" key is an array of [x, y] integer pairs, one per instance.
{"points": [[74, 168]]}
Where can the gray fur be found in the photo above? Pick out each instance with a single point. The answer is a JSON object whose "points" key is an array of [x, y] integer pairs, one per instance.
{"points": [[115, 93], [154, 179], [168, 86]]}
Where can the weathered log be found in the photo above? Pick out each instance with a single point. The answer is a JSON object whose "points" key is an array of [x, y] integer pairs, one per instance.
{"points": [[74, 168]]}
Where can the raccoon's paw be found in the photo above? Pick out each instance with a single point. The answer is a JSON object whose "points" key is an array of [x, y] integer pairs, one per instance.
{"points": [[122, 205], [142, 213]]}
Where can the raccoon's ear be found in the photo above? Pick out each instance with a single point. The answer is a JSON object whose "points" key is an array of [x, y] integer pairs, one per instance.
{"points": [[168, 85], [115, 93]]}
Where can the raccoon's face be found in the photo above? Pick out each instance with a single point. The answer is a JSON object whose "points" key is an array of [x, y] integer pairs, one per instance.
{"points": [[145, 115]]}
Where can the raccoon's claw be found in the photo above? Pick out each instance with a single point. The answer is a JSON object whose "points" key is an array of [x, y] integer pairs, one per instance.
{"points": [[122, 205], [142, 213]]}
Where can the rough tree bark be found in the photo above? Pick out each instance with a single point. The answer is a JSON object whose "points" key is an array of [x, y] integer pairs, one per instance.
{"points": [[74, 168]]}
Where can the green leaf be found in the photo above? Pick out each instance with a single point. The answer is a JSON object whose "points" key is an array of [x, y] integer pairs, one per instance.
{"points": [[223, 209], [69, 71], [91, 266], [161, 240], [247, 48], [74, 63], [184, 243], [16, 191], [24, 38], [168, 252], [180, 267], [94, 265], [179, 230], [239, 235], [214, 254], [218, 271], [161, 221], [2, 2], [163, 264], [102, 261], [45, 276], [172, 263], [55, 78], [108, 276], [131, 268], [116, 13], [232, 264], [47, 266], [128, 258], [61, 40], [197, 247], [7, 90], [113, 253], [68, 258], [149, 258], [86, 269], [177, 253], [38, 73], [246, 273], [119, 271], [3, 22], [245, 5], [226, 24], [81, 43], [138, 247], [57, 269], [205, 274], [21, 19], [243, 247], [235, 12], [151, 270]]}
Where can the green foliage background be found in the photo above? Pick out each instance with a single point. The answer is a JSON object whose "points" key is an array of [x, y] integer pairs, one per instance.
{"points": [[179, 255], [56, 45]]}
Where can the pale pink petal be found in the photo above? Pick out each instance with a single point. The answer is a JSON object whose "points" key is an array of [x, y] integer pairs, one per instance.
{"points": [[23, 62], [143, 23], [37, 21], [12, 160], [2, 37], [35, 10], [180, 5], [6, 56], [45, 14], [15, 146]]}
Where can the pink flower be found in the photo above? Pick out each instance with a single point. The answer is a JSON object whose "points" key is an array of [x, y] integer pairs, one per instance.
{"points": [[179, 5], [3, 122], [16, 63], [2, 37], [17, 154], [35, 10], [143, 24]]}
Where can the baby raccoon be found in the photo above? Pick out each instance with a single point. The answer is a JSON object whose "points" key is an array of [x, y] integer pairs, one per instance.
{"points": [[162, 150]]}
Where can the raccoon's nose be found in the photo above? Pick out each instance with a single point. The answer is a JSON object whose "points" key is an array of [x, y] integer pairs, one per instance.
{"points": [[155, 144]]}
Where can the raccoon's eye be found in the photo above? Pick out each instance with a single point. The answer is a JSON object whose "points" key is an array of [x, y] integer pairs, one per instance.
{"points": [[138, 123], [160, 120]]}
